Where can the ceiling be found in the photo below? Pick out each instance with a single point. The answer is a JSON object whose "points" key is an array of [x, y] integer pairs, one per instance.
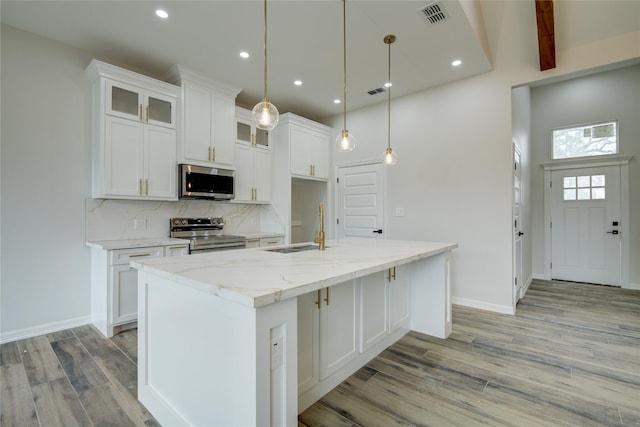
{"points": [[304, 42]]}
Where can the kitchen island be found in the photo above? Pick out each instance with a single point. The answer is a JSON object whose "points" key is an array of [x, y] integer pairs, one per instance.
{"points": [[219, 333]]}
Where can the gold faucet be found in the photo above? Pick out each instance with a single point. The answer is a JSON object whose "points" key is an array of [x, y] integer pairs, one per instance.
{"points": [[320, 238]]}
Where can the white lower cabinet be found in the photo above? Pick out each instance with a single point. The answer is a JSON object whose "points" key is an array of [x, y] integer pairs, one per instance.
{"points": [[114, 284], [399, 293], [373, 300], [327, 332], [352, 320]]}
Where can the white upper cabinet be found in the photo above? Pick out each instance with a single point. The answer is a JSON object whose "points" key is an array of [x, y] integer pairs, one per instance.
{"points": [[308, 145], [134, 135], [207, 132], [253, 161]]}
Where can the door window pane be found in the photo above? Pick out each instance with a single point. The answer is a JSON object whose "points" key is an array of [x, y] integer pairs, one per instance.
{"points": [[585, 187], [597, 180], [584, 181], [570, 194], [597, 193], [584, 193]]}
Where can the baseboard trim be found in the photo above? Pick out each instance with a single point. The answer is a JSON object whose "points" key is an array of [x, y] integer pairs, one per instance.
{"points": [[47, 328], [538, 276], [497, 308], [525, 288], [633, 286]]}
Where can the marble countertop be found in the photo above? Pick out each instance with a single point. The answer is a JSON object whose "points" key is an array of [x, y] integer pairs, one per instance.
{"points": [[257, 277], [260, 235], [136, 243]]}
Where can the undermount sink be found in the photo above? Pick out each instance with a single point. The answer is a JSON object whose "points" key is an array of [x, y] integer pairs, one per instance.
{"points": [[291, 249]]}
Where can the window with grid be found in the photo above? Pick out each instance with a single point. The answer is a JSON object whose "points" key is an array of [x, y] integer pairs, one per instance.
{"points": [[588, 140], [584, 187]]}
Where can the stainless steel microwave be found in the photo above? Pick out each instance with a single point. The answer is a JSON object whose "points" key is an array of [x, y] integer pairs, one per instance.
{"points": [[199, 182]]}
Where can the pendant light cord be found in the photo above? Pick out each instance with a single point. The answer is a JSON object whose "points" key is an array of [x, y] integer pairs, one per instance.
{"points": [[391, 40], [265, 50], [344, 52]]}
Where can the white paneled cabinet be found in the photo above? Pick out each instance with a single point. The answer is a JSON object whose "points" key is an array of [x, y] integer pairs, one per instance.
{"points": [[309, 152], [134, 135], [339, 324], [207, 120], [399, 293], [253, 162], [327, 332], [114, 284]]}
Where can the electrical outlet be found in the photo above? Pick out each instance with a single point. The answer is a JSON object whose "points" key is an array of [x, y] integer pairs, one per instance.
{"points": [[276, 352], [399, 211], [140, 224]]}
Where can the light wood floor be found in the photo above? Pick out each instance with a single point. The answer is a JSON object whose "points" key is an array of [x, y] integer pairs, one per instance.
{"points": [[569, 357]]}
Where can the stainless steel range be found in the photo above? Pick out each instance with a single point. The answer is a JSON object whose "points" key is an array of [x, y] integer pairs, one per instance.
{"points": [[205, 234]]}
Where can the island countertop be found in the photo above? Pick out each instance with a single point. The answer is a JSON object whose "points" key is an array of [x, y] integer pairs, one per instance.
{"points": [[259, 277]]}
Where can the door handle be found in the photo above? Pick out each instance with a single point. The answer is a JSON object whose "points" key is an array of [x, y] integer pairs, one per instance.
{"points": [[613, 232], [379, 231], [520, 233]]}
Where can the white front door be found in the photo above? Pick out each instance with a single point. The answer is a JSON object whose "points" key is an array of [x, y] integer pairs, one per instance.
{"points": [[585, 225], [360, 201]]}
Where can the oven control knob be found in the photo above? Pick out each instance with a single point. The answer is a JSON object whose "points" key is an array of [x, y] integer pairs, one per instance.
{"points": [[176, 221], [184, 222]]}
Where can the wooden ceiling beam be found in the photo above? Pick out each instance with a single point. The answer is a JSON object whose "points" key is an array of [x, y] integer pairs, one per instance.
{"points": [[546, 34]]}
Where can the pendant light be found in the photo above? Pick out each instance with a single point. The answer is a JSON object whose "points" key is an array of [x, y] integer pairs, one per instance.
{"points": [[389, 156], [345, 140], [265, 115]]}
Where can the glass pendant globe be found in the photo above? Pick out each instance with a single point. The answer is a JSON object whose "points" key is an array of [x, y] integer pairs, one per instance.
{"points": [[265, 115], [389, 157], [345, 141]]}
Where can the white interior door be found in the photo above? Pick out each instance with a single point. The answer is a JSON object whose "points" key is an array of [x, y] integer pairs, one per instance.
{"points": [[361, 201], [517, 231], [585, 225]]}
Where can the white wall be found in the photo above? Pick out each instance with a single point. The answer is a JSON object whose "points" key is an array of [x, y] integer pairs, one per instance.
{"points": [[46, 214], [45, 180], [610, 95], [453, 175]]}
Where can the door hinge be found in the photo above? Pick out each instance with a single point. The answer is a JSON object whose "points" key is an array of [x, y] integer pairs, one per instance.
{"points": [[338, 180], [550, 224], [516, 281], [551, 265], [337, 220], [550, 184], [515, 166]]}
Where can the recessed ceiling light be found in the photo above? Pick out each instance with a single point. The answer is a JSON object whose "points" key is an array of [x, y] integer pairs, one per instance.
{"points": [[336, 101], [162, 14], [456, 63], [298, 83], [244, 54]]}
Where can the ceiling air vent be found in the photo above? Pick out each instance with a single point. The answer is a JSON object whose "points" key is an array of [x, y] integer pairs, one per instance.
{"points": [[435, 12], [376, 91]]}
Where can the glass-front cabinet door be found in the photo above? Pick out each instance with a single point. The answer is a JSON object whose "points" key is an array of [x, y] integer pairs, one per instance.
{"points": [[247, 133], [130, 102]]}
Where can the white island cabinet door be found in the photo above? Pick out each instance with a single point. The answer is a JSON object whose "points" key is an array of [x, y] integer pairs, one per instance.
{"points": [[400, 298], [374, 310], [308, 340], [125, 294], [338, 327]]}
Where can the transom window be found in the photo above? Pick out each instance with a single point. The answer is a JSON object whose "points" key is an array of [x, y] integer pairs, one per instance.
{"points": [[585, 187], [588, 140]]}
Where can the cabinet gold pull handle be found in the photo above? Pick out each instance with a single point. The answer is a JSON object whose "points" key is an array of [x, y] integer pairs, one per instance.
{"points": [[140, 112], [318, 300], [388, 274], [140, 186], [177, 247], [394, 273], [326, 300], [147, 114], [146, 187], [138, 255], [253, 139]]}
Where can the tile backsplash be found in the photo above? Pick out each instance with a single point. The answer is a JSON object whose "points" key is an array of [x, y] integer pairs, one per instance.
{"points": [[109, 219]]}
